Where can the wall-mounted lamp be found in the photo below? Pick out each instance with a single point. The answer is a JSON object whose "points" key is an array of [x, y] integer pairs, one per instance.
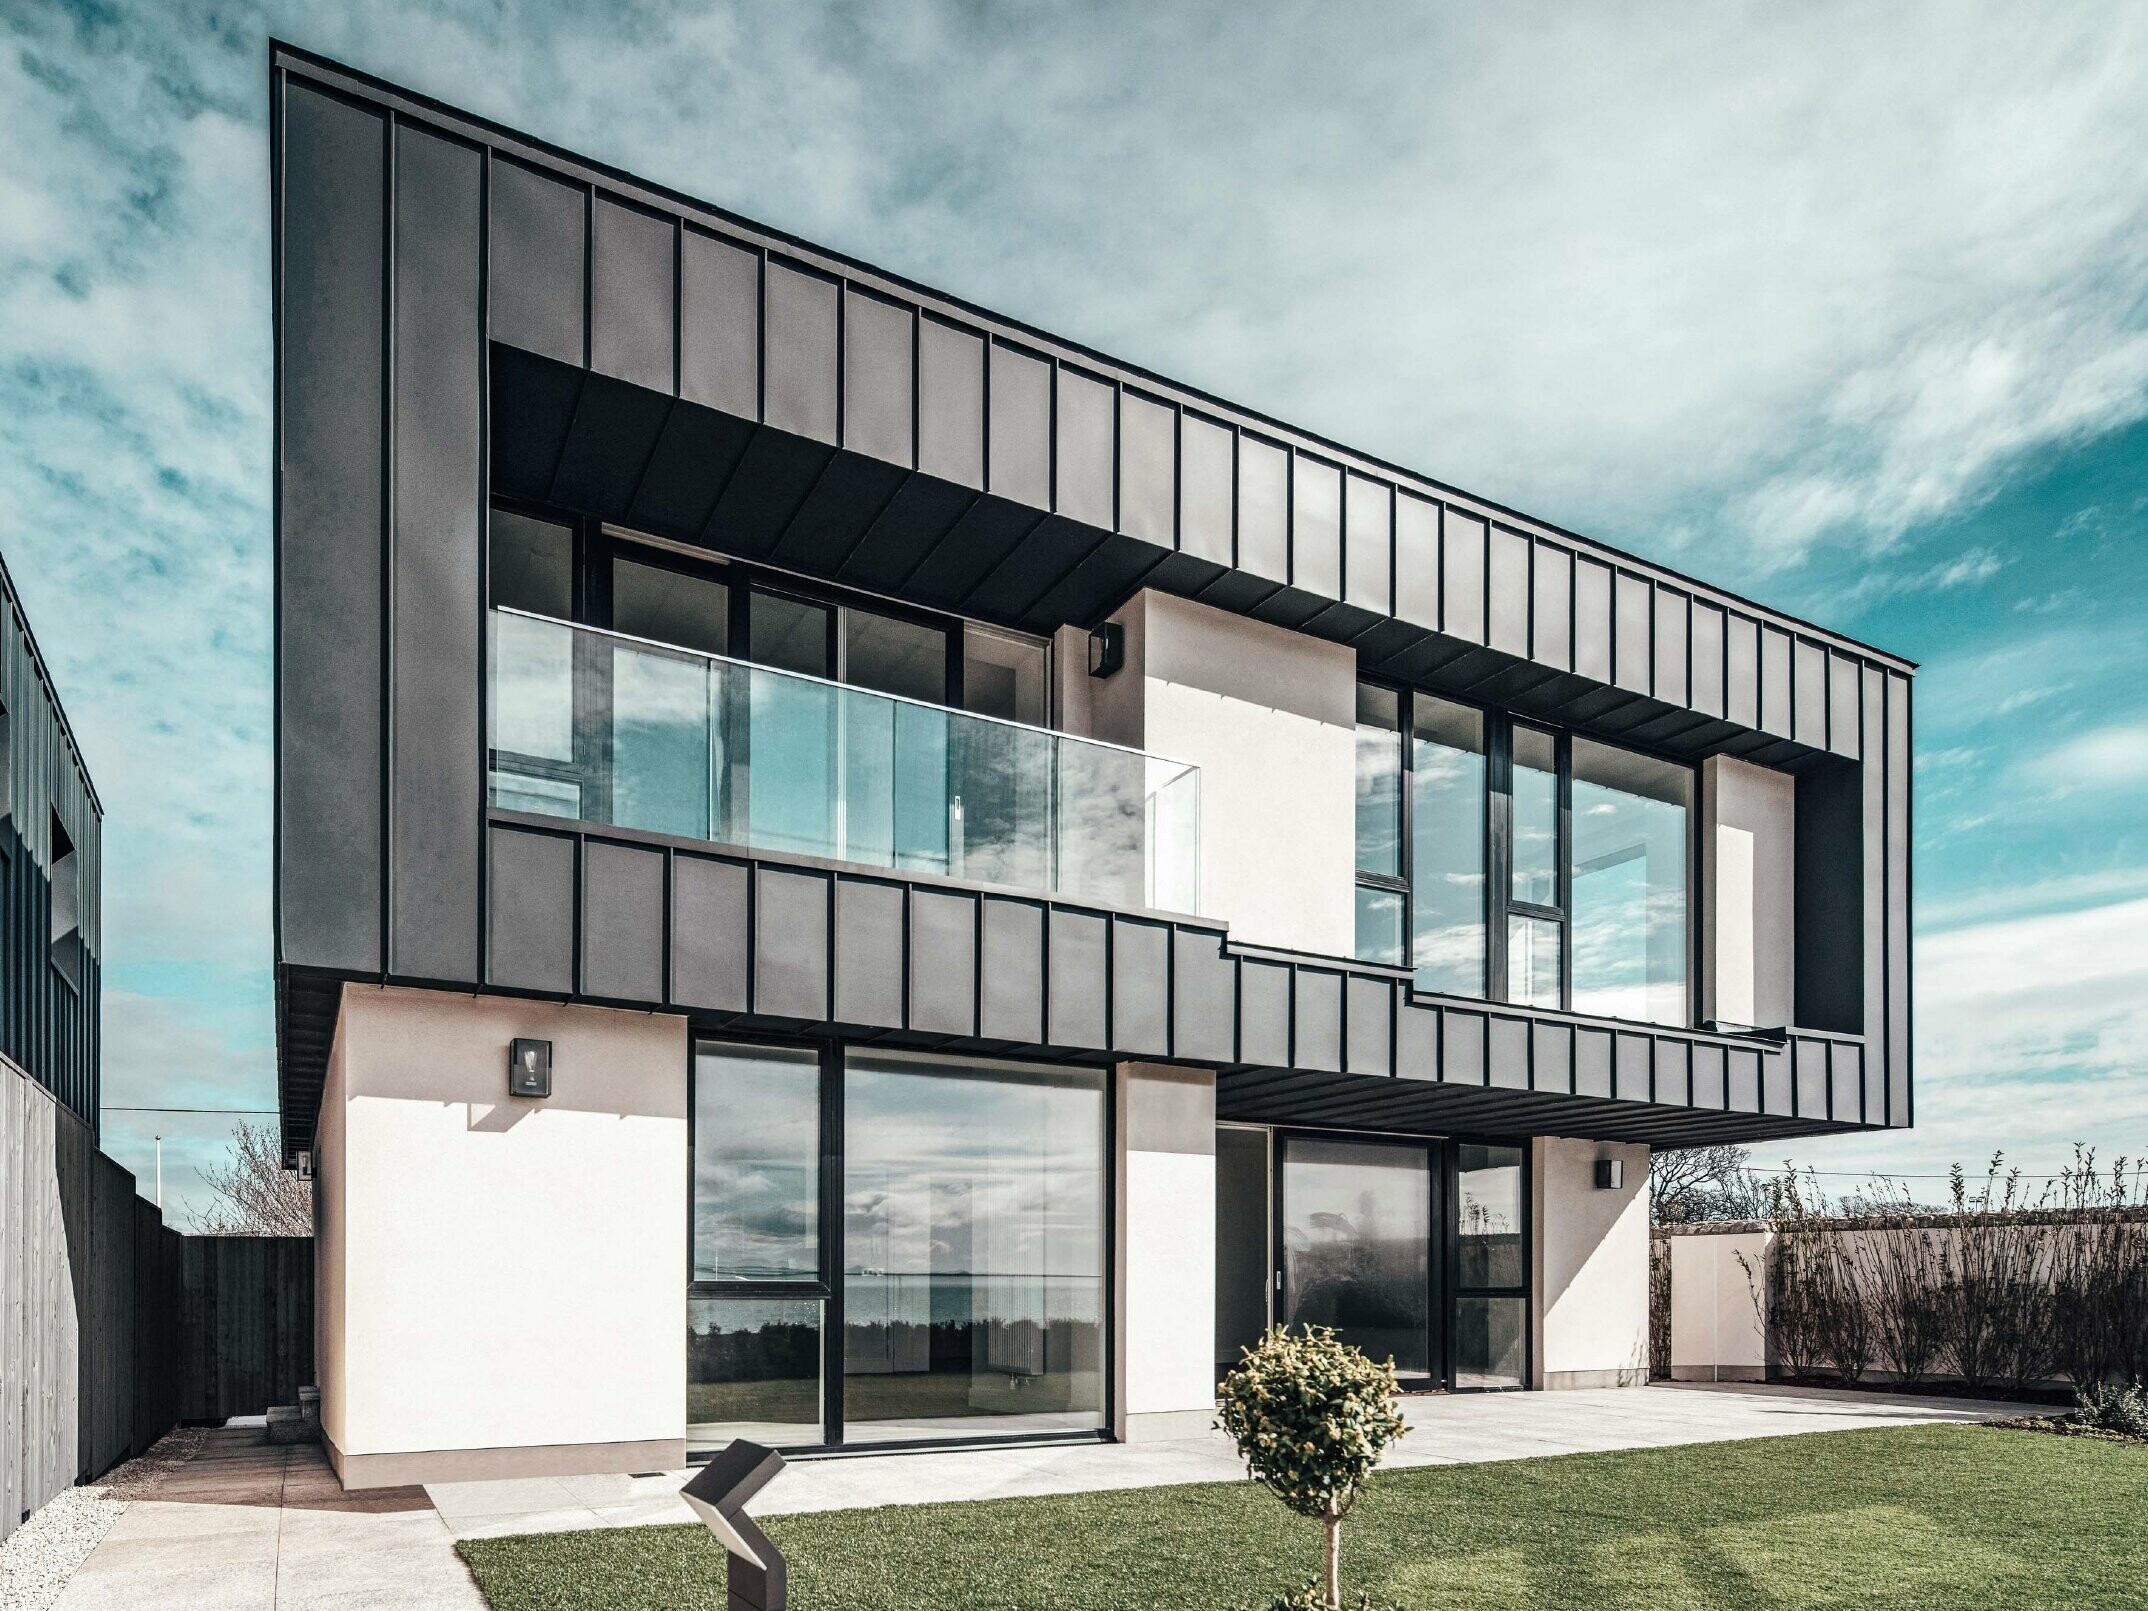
{"points": [[305, 1164], [529, 1068], [1610, 1174], [1107, 649]]}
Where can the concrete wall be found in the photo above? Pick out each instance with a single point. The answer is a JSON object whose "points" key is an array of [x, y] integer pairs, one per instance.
{"points": [[1166, 1275], [1270, 718], [1718, 1309], [503, 1282], [1590, 1317], [1749, 869]]}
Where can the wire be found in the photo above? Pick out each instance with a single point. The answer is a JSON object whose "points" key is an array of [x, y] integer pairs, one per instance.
{"points": [[110, 1107]]}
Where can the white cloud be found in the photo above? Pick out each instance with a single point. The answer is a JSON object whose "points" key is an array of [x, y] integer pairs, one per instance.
{"points": [[2108, 758]]}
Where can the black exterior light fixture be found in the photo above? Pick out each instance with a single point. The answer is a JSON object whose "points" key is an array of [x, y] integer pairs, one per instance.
{"points": [[1107, 649], [757, 1577], [529, 1068], [1610, 1174]]}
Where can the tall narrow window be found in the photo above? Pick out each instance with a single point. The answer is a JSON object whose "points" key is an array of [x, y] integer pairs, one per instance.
{"points": [[1631, 855], [1382, 894], [1447, 781], [1535, 915]]}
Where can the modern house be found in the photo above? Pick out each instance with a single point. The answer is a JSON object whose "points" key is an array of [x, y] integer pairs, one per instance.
{"points": [[51, 857], [852, 872]]}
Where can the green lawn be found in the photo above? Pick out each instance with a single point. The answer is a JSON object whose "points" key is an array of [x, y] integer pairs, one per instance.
{"points": [[1933, 1516]]}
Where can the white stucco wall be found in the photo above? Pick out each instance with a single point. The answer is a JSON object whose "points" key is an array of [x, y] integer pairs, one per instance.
{"points": [[1749, 868], [1270, 718], [1167, 1252], [506, 1292], [1718, 1321], [1591, 1246]]}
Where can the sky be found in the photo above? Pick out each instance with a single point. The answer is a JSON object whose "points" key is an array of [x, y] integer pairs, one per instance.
{"points": [[1841, 306]]}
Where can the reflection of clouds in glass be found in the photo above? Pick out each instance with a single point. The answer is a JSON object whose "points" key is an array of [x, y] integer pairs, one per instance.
{"points": [[756, 1163], [1631, 906]]}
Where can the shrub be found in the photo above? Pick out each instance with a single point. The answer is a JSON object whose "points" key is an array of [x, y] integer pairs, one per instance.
{"points": [[1311, 1416], [1314, 1597], [2112, 1408]]}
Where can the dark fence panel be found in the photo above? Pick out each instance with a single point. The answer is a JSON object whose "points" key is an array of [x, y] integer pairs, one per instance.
{"points": [[246, 1324]]}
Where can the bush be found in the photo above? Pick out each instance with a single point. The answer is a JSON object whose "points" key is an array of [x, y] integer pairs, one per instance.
{"points": [[2112, 1408], [1314, 1597], [1311, 1417]]}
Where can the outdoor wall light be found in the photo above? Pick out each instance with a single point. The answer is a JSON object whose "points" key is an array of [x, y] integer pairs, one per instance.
{"points": [[1610, 1174], [1107, 649], [529, 1068]]}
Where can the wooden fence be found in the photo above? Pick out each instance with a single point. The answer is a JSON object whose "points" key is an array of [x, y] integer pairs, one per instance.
{"points": [[114, 1327]]}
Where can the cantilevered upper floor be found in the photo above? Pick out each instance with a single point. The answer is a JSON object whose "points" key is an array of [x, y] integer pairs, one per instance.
{"points": [[673, 614]]}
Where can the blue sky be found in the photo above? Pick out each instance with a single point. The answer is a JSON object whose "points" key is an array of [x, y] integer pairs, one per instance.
{"points": [[1843, 306]]}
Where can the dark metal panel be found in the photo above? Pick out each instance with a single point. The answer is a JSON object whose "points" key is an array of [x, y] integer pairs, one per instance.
{"points": [[539, 235], [1777, 1087], [532, 405], [1842, 706], [1552, 1060], [1416, 1040], [622, 921], [1775, 682], [1631, 658], [1264, 1014], [1083, 484], [1707, 659], [879, 339], [630, 304], [950, 403], [1809, 1058], [790, 944], [1508, 593], [1552, 609], [1368, 516], [1809, 694], [1743, 1081], [1020, 452], [1369, 1004], [434, 788], [1010, 1005], [1671, 615], [868, 952], [943, 962], [1592, 1062], [1417, 560], [1148, 469], [329, 549], [1898, 885], [1204, 489], [1673, 1072], [711, 924], [615, 431], [1845, 1083], [1316, 527], [1630, 1068], [533, 918], [801, 317], [1461, 1047], [1507, 1055], [720, 324], [1263, 508], [1592, 620], [1741, 695], [1316, 1019], [1462, 575], [1203, 1011], [693, 458], [1708, 1077], [1872, 780], [1080, 991], [1140, 987]]}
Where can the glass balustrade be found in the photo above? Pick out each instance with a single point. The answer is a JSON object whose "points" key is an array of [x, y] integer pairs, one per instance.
{"points": [[608, 729]]}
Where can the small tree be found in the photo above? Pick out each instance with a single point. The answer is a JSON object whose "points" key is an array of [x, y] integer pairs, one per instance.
{"points": [[256, 1195], [1311, 1417]]}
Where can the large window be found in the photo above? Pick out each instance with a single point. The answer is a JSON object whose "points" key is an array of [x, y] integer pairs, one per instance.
{"points": [[1381, 892], [1491, 1277]]}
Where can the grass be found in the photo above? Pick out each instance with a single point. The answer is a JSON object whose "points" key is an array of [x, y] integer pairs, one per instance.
{"points": [[1907, 1518]]}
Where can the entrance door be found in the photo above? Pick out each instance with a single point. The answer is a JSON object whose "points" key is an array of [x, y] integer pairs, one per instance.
{"points": [[1355, 1246]]}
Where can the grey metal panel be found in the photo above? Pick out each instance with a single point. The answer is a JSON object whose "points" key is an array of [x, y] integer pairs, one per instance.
{"points": [[1743, 1081], [329, 618], [1809, 694], [1671, 613], [1080, 979], [1707, 659], [1592, 1062], [1203, 1008], [1507, 1054], [1508, 598], [711, 928], [1845, 1084], [1809, 1059], [1367, 1043], [1462, 540], [1631, 657], [1264, 1014], [538, 239], [1630, 1068], [1204, 489], [1741, 676], [1708, 1077], [1842, 705], [1551, 622], [1898, 885], [800, 319], [1461, 1047], [1316, 526], [1368, 544], [622, 921], [1417, 560], [630, 303], [790, 944], [868, 952], [1592, 619], [1010, 1004], [1416, 1040], [1775, 681], [720, 324], [1020, 451], [950, 403], [435, 795], [1263, 509], [1148, 469], [943, 962], [879, 340], [1552, 1061], [1140, 987], [1777, 1087], [532, 899], [1872, 778], [1673, 1072], [1083, 469], [1316, 1019]]}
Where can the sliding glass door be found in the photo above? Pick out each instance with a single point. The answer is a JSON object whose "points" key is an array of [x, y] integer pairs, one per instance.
{"points": [[1357, 1246]]}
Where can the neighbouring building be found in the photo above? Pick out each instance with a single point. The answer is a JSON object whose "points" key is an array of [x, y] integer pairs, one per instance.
{"points": [[998, 875]]}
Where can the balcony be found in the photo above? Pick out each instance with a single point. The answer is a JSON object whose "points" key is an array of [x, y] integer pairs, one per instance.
{"points": [[601, 728]]}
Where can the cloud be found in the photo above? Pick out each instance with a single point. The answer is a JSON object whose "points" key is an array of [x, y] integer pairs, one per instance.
{"points": [[2108, 758]]}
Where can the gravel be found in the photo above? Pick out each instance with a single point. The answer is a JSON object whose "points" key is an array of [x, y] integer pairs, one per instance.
{"points": [[38, 1558]]}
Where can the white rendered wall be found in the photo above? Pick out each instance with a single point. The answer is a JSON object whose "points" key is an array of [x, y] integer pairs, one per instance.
{"points": [[1718, 1323], [1591, 1246], [503, 1283], [1270, 718], [1749, 868], [1167, 1252]]}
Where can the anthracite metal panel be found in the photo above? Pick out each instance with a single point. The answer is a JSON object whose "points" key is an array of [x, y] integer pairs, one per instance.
{"points": [[1673, 1063], [1808, 694], [790, 944], [868, 952], [1777, 1094], [1507, 1053], [1630, 1067], [950, 403], [1264, 1014], [631, 301], [1809, 1067], [1508, 593], [1708, 1077], [1148, 470], [435, 776], [711, 928], [943, 962], [800, 365], [1744, 1082], [1872, 778], [1552, 607], [1316, 1019], [1670, 684], [1204, 506], [1592, 620], [1417, 560], [1592, 1062], [1898, 888], [539, 237], [1203, 1004], [622, 938], [1829, 856], [1843, 702], [1368, 544], [1741, 640], [1707, 688], [1079, 990], [1775, 682], [879, 340], [1140, 957], [1316, 526], [1462, 1047], [719, 324], [1010, 998], [1552, 1058], [1416, 1041], [1020, 445], [329, 662], [1083, 488], [1631, 654], [1462, 576], [1263, 508], [1367, 1037], [533, 918]]}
